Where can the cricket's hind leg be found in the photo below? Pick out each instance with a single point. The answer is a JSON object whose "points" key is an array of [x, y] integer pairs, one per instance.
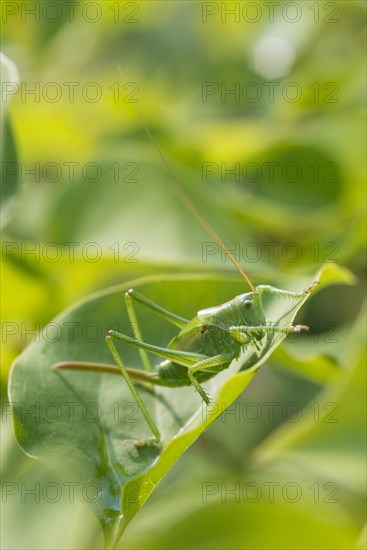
{"points": [[133, 296], [182, 357], [156, 434]]}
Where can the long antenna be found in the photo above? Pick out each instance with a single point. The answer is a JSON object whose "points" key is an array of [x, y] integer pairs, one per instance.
{"points": [[187, 199]]}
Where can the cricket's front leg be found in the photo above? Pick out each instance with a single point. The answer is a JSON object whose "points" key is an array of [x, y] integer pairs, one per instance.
{"points": [[286, 293], [241, 333]]}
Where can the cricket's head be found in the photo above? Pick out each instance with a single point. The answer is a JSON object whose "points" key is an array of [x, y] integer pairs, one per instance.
{"points": [[251, 311]]}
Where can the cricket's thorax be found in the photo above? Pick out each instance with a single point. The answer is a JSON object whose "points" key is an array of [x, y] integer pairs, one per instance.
{"points": [[208, 334], [243, 310]]}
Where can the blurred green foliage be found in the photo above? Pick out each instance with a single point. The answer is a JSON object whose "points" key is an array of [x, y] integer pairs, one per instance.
{"points": [[169, 53]]}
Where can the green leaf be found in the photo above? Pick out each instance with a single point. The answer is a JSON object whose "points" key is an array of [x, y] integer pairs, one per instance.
{"points": [[332, 435], [85, 423], [209, 518], [8, 161]]}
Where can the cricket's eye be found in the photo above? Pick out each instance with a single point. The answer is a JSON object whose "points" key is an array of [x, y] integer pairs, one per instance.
{"points": [[247, 304]]}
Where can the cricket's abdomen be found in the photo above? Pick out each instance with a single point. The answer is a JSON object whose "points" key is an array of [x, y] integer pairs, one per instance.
{"points": [[198, 338]]}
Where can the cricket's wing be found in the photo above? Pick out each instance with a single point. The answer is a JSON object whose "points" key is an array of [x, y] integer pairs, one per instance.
{"points": [[190, 338], [206, 339]]}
